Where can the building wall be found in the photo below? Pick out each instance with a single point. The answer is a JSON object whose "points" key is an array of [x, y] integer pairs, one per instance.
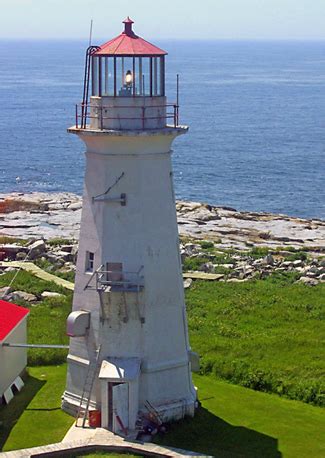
{"points": [[13, 360], [141, 234]]}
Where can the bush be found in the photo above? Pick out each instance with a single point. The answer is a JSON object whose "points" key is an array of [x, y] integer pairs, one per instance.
{"points": [[206, 245]]}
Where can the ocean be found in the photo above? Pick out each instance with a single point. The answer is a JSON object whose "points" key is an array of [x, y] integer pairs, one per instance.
{"points": [[256, 112]]}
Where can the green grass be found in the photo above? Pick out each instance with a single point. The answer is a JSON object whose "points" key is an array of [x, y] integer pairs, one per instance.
{"points": [[59, 241], [236, 422], [4, 240], [265, 334], [51, 268], [34, 417], [47, 318], [233, 422]]}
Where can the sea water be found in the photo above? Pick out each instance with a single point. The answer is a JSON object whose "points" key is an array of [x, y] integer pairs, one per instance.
{"points": [[256, 112]]}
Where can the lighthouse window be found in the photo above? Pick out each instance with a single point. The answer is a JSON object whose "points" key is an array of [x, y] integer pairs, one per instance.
{"points": [[128, 76], [90, 257]]}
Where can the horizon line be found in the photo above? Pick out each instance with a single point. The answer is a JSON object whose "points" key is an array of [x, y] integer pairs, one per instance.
{"points": [[259, 39]]}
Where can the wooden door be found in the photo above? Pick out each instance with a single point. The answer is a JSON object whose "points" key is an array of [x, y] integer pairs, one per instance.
{"points": [[120, 395]]}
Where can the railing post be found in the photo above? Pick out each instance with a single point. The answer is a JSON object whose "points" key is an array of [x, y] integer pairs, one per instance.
{"points": [[143, 117], [101, 118], [76, 115], [175, 116], [177, 100]]}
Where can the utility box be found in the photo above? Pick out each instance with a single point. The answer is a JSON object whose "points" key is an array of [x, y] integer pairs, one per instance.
{"points": [[78, 323]]}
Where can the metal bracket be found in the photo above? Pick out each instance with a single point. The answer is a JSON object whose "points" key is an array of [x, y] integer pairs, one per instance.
{"points": [[105, 198]]}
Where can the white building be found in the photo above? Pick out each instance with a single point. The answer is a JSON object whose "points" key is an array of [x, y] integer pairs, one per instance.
{"points": [[13, 361], [129, 297]]}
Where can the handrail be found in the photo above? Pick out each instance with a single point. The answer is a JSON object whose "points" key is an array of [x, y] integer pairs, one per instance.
{"points": [[101, 281], [84, 116]]}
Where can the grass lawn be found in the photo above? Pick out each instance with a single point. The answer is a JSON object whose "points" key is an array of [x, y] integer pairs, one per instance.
{"points": [[34, 417], [47, 318], [233, 421], [236, 422], [265, 334]]}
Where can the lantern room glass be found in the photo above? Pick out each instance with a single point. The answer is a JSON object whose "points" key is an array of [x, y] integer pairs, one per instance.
{"points": [[118, 76]]}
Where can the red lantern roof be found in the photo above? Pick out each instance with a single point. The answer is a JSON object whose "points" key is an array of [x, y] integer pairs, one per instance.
{"points": [[10, 316], [129, 44]]}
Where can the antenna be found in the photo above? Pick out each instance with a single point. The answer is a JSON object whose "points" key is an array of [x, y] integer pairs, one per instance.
{"points": [[90, 32]]}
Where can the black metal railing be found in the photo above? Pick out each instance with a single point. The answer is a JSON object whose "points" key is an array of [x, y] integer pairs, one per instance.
{"points": [[85, 113]]}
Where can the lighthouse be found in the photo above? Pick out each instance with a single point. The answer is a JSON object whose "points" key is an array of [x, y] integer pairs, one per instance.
{"points": [[129, 352]]}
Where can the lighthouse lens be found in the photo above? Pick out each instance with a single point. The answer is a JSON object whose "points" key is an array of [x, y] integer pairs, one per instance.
{"points": [[128, 78]]}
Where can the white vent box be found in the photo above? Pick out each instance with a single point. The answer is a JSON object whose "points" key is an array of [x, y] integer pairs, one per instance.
{"points": [[77, 323]]}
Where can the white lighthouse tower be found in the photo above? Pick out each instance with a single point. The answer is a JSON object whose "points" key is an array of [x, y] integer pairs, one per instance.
{"points": [[129, 349]]}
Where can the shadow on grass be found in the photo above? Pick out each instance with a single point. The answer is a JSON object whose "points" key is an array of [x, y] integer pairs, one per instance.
{"points": [[209, 434], [10, 413]]}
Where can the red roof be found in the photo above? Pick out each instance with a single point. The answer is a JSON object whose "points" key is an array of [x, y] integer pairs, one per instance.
{"points": [[10, 316], [129, 44]]}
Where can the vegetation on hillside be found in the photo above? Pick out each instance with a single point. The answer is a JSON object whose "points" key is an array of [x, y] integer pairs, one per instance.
{"points": [[267, 335]]}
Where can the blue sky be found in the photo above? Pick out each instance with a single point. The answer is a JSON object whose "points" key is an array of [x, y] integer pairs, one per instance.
{"points": [[186, 19]]}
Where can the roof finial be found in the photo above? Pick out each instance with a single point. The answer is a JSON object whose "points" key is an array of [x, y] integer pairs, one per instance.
{"points": [[128, 26]]}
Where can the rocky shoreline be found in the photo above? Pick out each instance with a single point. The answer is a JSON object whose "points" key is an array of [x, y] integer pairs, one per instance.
{"points": [[231, 245]]}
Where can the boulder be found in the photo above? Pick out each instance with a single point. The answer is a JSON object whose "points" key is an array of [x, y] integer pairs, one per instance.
{"points": [[4, 292], [268, 260], [36, 249], [208, 267], [21, 256], [308, 281], [23, 296], [54, 259], [63, 255], [187, 283], [47, 294]]}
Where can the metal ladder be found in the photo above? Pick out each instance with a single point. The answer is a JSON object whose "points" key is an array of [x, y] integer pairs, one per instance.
{"points": [[87, 389]]}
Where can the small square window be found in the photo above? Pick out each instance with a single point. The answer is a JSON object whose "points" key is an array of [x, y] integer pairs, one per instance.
{"points": [[90, 257]]}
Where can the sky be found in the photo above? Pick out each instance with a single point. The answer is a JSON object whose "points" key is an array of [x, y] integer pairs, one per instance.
{"points": [[181, 19]]}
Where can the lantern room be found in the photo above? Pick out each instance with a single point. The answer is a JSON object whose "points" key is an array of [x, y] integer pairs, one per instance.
{"points": [[125, 85], [128, 66]]}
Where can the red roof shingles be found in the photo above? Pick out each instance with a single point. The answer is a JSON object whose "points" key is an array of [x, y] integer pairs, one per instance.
{"points": [[10, 316], [129, 44]]}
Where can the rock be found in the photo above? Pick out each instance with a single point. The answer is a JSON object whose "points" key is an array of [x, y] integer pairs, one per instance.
{"points": [[36, 249], [66, 248], [287, 264], [268, 260], [187, 283], [75, 206], [63, 255], [208, 267], [308, 281], [54, 259], [321, 278], [4, 292], [47, 294], [21, 256], [10, 269], [190, 249], [23, 296], [298, 263]]}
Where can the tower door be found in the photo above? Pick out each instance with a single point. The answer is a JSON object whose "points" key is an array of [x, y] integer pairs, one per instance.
{"points": [[120, 405]]}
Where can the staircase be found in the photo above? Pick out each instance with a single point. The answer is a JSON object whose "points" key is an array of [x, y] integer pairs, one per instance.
{"points": [[92, 372]]}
